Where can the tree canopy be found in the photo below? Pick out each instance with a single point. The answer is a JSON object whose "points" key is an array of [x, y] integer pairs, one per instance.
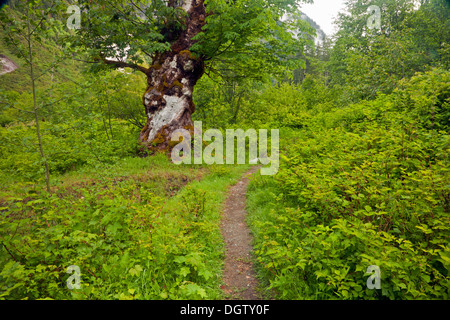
{"points": [[249, 36]]}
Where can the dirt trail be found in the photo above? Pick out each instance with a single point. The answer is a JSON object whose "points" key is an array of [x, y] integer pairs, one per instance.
{"points": [[239, 276]]}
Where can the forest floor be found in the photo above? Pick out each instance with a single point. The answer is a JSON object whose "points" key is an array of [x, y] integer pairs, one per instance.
{"points": [[239, 275]]}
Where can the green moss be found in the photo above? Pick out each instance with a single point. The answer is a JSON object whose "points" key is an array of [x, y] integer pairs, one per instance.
{"points": [[156, 66], [147, 91], [176, 83], [187, 53]]}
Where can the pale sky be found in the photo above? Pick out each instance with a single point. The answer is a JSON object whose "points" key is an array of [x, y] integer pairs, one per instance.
{"points": [[323, 13]]}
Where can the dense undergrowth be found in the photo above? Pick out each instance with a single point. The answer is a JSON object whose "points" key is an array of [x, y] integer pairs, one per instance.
{"points": [[363, 177], [359, 186], [143, 229]]}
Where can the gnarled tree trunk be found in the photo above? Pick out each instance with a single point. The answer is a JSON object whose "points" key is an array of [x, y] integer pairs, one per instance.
{"points": [[171, 80]]}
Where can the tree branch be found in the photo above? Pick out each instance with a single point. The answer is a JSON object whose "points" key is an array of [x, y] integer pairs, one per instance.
{"points": [[42, 19], [125, 16], [17, 47], [137, 7], [12, 256], [21, 110], [122, 64], [224, 50], [147, 54]]}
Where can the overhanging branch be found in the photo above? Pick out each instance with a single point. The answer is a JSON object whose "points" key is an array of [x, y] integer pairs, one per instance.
{"points": [[122, 64]]}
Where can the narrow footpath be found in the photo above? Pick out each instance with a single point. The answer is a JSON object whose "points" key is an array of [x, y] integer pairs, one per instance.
{"points": [[239, 277]]}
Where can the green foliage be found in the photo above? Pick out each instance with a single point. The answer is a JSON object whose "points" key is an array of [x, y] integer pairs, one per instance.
{"points": [[250, 39], [130, 240], [256, 104], [367, 62], [67, 145], [51, 65], [429, 93], [245, 38], [364, 163], [363, 185]]}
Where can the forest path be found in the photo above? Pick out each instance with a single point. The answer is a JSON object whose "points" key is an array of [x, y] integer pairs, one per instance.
{"points": [[239, 276]]}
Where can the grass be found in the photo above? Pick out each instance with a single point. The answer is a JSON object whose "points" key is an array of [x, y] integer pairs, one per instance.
{"points": [[184, 203], [213, 188], [260, 201]]}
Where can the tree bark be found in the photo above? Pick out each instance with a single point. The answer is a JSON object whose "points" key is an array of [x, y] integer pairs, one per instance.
{"points": [[171, 79]]}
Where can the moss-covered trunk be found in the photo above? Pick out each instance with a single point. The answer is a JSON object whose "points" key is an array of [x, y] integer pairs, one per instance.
{"points": [[171, 80]]}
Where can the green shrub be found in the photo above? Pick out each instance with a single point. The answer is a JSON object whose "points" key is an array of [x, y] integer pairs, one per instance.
{"points": [[68, 146], [129, 242], [362, 185]]}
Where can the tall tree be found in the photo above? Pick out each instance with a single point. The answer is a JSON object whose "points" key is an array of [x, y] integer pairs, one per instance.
{"points": [[368, 61], [173, 42]]}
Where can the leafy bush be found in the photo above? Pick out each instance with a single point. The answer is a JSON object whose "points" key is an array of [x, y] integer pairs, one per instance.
{"points": [[128, 241], [363, 185], [68, 146]]}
